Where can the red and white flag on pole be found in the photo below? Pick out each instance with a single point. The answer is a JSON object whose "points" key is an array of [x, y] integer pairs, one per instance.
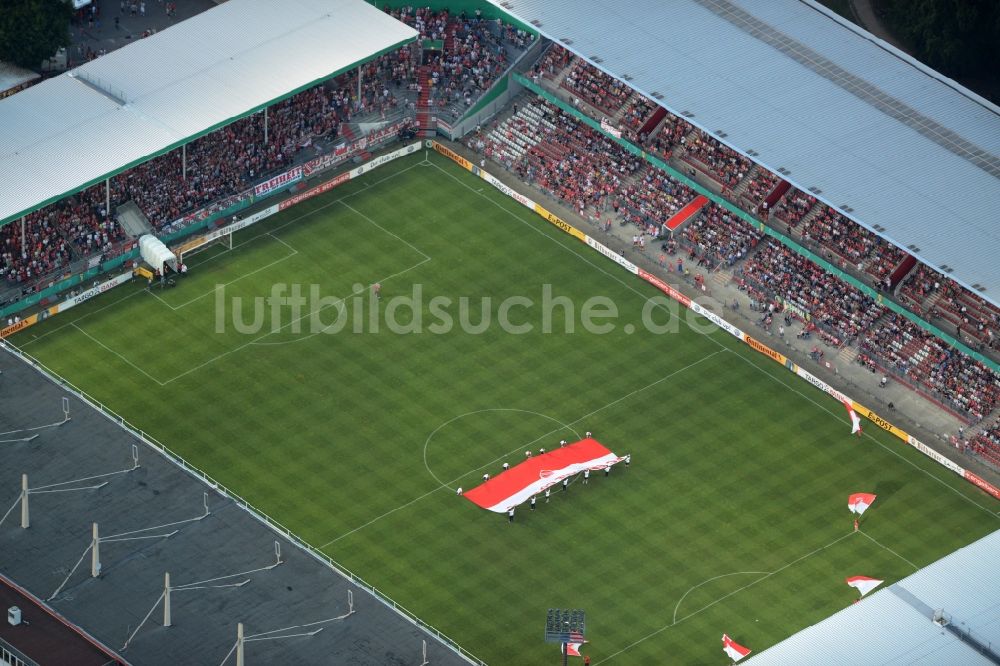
{"points": [[572, 647], [864, 584], [859, 502], [733, 649], [855, 419]]}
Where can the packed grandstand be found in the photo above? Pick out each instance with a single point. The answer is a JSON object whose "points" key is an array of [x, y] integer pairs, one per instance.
{"points": [[608, 172], [593, 174]]}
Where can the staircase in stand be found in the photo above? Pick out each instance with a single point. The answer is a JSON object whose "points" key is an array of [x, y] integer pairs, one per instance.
{"points": [[347, 133], [847, 354], [425, 125]]}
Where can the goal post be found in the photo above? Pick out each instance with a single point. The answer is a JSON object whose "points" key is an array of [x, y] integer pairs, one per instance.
{"points": [[191, 246]]}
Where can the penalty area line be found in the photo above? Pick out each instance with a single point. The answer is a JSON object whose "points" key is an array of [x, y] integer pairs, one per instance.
{"points": [[882, 545], [234, 280], [272, 232], [722, 598], [148, 376]]}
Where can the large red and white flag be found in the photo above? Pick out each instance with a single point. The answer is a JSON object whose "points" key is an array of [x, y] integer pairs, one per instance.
{"points": [[733, 649], [535, 474], [864, 584], [859, 502], [855, 419], [573, 649]]}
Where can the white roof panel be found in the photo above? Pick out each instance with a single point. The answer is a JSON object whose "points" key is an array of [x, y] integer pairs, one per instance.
{"points": [[151, 96], [913, 154], [895, 625]]}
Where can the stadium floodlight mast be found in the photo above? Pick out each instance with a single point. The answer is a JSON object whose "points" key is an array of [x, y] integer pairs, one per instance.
{"points": [[564, 625]]}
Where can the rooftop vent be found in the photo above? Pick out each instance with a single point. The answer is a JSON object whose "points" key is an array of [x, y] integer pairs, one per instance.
{"points": [[566, 40], [657, 95]]}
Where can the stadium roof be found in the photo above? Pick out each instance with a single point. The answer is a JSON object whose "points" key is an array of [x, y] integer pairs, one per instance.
{"points": [[895, 146], [147, 98], [895, 625]]}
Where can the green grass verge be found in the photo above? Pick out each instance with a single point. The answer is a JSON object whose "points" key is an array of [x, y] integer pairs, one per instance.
{"points": [[732, 517]]}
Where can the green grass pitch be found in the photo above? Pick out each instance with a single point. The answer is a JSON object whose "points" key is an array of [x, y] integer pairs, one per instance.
{"points": [[732, 518]]}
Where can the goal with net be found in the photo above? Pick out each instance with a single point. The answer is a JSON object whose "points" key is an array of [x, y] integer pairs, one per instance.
{"points": [[192, 246]]}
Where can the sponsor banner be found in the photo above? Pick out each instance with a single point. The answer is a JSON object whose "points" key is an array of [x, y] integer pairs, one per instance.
{"points": [[665, 288], [612, 255], [765, 350], [610, 129], [19, 326], [344, 151], [90, 293], [342, 178], [383, 159], [339, 154], [290, 176], [717, 320], [452, 155], [934, 455], [826, 388], [339, 179], [241, 224], [982, 483], [565, 226], [513, 194], [880, 422]]}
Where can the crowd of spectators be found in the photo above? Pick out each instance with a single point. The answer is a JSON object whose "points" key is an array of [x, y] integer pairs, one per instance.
{"points": [[955, 379], [918, 286], [474, 53], [723, 163], [599, 90], [229, 160], [795, 205], [781, 280], [555, 60], [975, 320], [653, 199], [840, 310], [42, 252], [761, 184], [575, 163], [987, 444], [717, 237], [637, 112], [853, 245], [672, 134]]}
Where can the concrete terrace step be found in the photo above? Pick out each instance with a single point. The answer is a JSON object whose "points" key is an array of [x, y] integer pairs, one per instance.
{"points": [[846, 355]]}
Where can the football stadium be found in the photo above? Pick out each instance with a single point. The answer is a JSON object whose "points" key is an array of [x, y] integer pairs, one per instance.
{"points": [[517, 332]]}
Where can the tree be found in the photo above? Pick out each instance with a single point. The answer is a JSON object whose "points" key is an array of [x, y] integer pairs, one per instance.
{"points": [[957, 37], [33, 30]]}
